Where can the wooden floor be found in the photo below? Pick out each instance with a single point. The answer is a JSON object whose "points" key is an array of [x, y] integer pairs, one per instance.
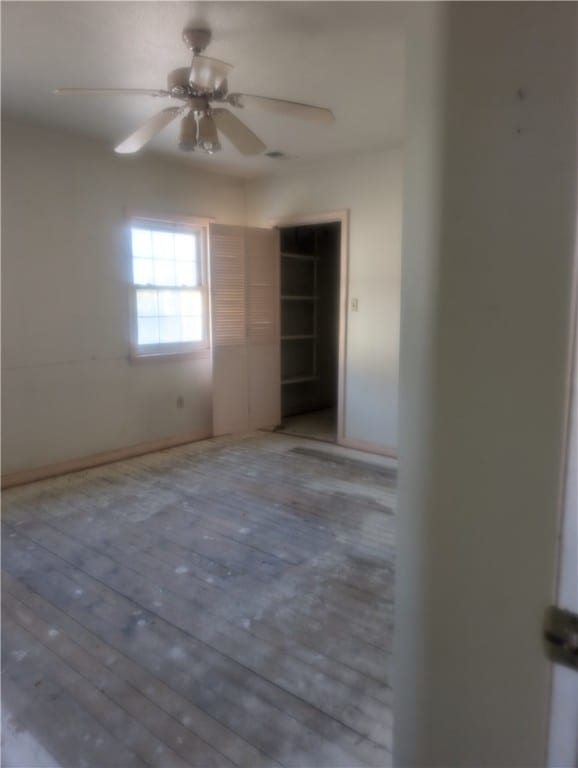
{"points": [[223, 603], [316, 425]]}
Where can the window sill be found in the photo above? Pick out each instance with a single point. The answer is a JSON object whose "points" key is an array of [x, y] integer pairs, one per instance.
{"points": [[150, 357]]}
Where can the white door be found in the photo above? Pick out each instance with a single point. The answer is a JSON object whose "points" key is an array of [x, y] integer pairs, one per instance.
{"points": [[228, 267], [245, 328], [264, 336]]}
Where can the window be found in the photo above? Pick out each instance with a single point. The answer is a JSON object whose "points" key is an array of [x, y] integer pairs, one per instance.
{"points": [[169, 279]]}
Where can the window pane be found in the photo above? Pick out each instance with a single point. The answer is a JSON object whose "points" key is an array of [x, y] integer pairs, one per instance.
{"points": [[164, 272], [185, 247], [170, 329], [191, 328], [146, 304], [170, 309], [148, 330], [191, 303], [142, 270], [141, 243], [186, 273], [163, 245], [169, 304]]}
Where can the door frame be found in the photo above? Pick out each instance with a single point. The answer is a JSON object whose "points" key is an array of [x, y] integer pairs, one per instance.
{"points": [[562, 745], [332, 217]]}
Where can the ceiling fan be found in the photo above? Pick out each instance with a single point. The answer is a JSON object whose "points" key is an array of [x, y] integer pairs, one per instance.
{"points": [[197, 88]]}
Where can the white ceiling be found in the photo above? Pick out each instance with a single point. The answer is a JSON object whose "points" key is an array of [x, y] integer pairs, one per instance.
{"points": [[347, 56]]}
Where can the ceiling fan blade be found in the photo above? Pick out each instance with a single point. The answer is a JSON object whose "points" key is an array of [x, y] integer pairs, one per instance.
{"points": [[238, 133], [147, 131], [282, 107], [110, 92], [208, 73]]}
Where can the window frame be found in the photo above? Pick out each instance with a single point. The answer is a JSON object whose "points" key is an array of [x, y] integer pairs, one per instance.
{"points": [[179, 349]]}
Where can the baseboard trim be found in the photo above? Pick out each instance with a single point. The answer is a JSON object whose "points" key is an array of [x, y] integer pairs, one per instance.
{"points": [[367, 447], [25, 476]]}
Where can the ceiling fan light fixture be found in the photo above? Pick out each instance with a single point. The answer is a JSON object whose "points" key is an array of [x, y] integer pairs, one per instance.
{"points": [[208, 138], [188, 133]]}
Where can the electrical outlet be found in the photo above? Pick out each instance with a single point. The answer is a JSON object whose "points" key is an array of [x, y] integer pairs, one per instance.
{"points": [[354, 305], [180, 401]]}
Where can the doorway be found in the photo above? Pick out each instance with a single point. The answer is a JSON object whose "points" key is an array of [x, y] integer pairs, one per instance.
{"points": [[310, 329]]}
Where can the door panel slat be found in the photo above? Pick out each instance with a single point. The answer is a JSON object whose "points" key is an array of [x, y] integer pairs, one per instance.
{"points": [[228, 285]]}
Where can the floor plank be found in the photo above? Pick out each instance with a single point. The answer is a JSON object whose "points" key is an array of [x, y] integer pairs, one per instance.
{"points": [[317, 425], [220, 604]]}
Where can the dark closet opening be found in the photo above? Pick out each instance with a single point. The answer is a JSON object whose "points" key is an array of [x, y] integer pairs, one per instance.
{"points": [[310, 288]]}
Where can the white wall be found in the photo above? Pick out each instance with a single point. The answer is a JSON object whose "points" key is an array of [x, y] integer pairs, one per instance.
{"points": [[370, 186], [488, 249], [68, 387]]}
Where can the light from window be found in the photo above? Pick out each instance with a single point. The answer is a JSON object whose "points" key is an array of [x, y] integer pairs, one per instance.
{"points": [[169, 283]]}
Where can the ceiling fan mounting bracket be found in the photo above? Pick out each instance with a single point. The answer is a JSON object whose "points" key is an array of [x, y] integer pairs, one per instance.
{"points": [[197, 39]]}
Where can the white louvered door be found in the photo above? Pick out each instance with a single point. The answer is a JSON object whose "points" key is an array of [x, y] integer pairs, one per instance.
{"points": [[264, 328], [229, 329], [245, 328]]}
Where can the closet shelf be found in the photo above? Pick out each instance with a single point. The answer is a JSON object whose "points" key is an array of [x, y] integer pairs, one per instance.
{"points": [[304, 256], [299, 379], [300, 304], [299, 337]]}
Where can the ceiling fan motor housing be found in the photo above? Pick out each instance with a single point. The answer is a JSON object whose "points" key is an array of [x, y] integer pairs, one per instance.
{"points": [[179, 87]]}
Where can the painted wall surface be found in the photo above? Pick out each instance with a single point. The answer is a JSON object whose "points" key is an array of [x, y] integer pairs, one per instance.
{"points": [[488, 250], [69, 389], [370, 186]]}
